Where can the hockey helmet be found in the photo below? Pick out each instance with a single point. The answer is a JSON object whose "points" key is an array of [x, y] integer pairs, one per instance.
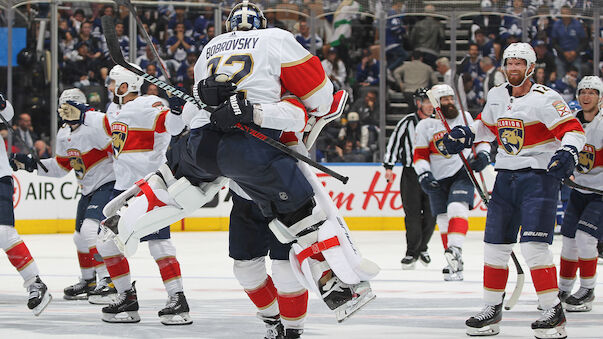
{"points": [[245, 16], [442, 90], [121, 75], [73, 94], [520, 50], [420, 94], [591, 82]]}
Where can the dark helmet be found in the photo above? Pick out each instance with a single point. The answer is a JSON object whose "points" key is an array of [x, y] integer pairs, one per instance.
{"points": [[420, 94]]}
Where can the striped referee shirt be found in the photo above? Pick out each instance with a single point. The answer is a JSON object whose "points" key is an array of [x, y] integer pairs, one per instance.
{"points": [[401, 144]]}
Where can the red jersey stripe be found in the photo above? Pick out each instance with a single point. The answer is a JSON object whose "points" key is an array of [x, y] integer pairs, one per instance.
{"points": [[160, 122], [64, 162], [303, 77], [421, 153], [569, 125]]}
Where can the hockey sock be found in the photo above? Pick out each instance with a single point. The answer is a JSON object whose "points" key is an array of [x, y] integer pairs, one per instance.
{"points": [[119, 270], [164, 253], [293, 308], [544, 273], [442, 221], [568, 264], [84, 256], [458, 225], [496, 271], [18, 255], [444, 239], [587, 254], [265, 298]]}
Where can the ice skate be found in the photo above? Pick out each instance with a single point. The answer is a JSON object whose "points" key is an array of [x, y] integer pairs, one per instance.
{"points": [[80, 290], [274, 327], [345, 299], [408, 262], [551, 324], [104, 293], [485, 323], [175, 311], [124, 309], [581, 301], [39, 297], [291, 333], [424, 258], [449, 275], [454, 258]]}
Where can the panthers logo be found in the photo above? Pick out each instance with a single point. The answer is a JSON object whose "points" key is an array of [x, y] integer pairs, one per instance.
{"points": [[586, 159], [77, 163], [511, 135], [439, 144], [119, 134]]}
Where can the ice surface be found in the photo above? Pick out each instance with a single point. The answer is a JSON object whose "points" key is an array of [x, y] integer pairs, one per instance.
{"points": [[409, 304]]}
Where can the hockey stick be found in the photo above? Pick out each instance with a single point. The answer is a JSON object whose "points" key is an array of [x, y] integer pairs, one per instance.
{"points": [[520, 274], [570, 183], [146, 37], [32, 152], [118, 58]]}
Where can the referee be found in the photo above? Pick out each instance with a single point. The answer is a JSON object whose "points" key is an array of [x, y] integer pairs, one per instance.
{"points": [[419, 221]]}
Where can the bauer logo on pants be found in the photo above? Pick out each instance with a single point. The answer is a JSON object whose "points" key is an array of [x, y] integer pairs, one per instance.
{"points": [[76, 162], [119, 134], [511, 135], [586, 159]]}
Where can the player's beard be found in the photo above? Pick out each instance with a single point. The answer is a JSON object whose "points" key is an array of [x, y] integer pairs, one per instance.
{"points": [[450, 111], [515, 79]]}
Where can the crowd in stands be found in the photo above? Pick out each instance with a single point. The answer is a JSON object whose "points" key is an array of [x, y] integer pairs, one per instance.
{"points": [[348, 45]]}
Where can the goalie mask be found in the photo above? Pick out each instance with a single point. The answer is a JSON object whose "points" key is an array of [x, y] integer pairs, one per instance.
{"points": [[123, 76], [73, 94], [245, 16]]}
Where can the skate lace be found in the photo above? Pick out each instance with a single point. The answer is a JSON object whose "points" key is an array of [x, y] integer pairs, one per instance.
{"points": [[333, 285], [172, 301], [121, 297], [548, 314], [486, 312], [581, 293]]}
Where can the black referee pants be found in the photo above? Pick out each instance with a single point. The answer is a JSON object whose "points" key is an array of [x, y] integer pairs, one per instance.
{"points": [[418, 220]]}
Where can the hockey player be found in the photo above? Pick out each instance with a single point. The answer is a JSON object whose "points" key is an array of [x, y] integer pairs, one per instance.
{"points": [[258, 63], [442, 176], [88, 153], [538, 143], [583, 219], [140, 129], [16, 250]]}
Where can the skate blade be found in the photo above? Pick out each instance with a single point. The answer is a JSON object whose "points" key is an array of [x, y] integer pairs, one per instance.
{"points": [[424, 263], [492, 329], [546, 333], [42, 306], [176, 319], [346, 310], [586, 307], [408, 266], [102, 299], [454, 264], [123, 317], [75, 297], [453, 276]]}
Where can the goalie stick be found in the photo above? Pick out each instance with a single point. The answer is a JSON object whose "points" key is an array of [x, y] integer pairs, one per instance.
{"points": [[32, 152], [118, 58], [520, 274]]}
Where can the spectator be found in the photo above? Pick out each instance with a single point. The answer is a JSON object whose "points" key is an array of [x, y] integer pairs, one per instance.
{"points": [[273, 22], [124, 41], [492, 75], [498, 54], [94, 44], [147, 58], [367, 72], [123, 16], [97, 28], [394, 51], [210, 34], [443, 67], [141, 42], [189, 80], [413, 75], [566, 85], [201, 22], [303, 37], [335, 69], [26, 133], [427, 37], [191, 59], [354, 140], [152, 89], [367, 108], [179, 44], [569, 39], [76, 21], [474, 94], [540, 76], [179, 17], [485, 44], [42, 149], [81, 66], [67, 44], [545, 60], [489, 24], [470, 63]]}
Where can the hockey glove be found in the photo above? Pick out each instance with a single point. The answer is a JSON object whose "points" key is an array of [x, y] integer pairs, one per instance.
{"points": [[480, 161], [2, 102], [236, 110], [459, 138], [563, 162], [215, 89], [73, 113], [176, 103], [428, 183], [22, 161]]}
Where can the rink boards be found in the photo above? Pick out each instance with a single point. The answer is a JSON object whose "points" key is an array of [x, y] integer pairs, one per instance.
{"points": [[367, 201]]}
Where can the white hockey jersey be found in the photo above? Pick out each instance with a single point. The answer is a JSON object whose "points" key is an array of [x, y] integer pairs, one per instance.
{"points": [[5, 169], [589, 171], [430, 153], [141, 131], [265, 63], [529, 129], [87, 152]]}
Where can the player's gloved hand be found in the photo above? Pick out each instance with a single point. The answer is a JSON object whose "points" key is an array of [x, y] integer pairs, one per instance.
{"points": [[479, 162], [214, 90], [563, 162], [459, 138], [236, 110], [2, 102], [176, 103], [22, 161], [73, 112], [428, 183]]}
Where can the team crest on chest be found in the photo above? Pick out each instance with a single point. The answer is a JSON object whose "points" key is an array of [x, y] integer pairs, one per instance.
{"points": [[586, 159], [511, 135], [76, 162], [439, 144], [119, 134]]}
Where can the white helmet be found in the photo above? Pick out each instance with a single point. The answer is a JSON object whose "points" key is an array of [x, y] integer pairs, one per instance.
{"points": [[121, 75], [591, 82], [245, 16], [442, 90], [73, 94], [520, 50]]}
